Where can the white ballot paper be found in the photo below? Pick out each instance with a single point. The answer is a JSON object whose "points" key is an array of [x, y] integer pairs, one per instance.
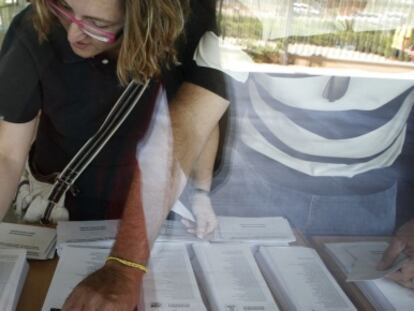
{"points": [[13, 272], [300, 281], [260, 230], [103, 233], [175, 231], [39, 242], [180, 209], [366, 257], [74, 265], [384, 295], [251, 230], [230, 278], [75, 232], [170, 284]]}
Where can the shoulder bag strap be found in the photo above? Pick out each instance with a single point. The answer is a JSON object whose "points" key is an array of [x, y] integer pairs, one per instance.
{"points": [[122, 108]]}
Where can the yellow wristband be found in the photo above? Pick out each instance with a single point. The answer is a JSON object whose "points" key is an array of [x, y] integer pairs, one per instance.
{"points": [[128, 263]]}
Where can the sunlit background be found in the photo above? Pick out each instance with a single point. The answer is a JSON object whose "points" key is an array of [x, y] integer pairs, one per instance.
{"points": [[322, 32]]}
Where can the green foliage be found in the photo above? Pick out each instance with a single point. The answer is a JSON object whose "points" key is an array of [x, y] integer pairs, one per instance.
{"points": [[265, 54], [241, 27], [248, 31]]}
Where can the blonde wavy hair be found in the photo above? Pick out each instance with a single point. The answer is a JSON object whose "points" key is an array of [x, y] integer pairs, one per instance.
{"points": [[151, 28]]}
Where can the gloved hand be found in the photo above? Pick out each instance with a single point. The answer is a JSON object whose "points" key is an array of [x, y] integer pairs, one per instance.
{"points": [[206, 220]]}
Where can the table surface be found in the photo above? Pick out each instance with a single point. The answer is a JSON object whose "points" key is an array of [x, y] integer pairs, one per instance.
{"points": [[37, 283]]}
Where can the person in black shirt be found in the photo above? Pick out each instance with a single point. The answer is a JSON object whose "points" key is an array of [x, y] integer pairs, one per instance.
{"points": [[63, 64]]}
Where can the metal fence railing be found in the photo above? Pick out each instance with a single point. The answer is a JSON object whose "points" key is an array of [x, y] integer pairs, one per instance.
{"points": [[382, 29]]}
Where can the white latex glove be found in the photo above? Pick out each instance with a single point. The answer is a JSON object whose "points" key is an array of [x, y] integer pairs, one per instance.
{"points": [[206, 220]]}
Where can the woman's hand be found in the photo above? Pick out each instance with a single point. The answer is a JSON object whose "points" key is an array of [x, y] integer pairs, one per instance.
{"points": [[403, 241]]}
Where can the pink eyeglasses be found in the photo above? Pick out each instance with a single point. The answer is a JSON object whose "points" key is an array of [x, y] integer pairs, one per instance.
{"points": [[88, 29]]}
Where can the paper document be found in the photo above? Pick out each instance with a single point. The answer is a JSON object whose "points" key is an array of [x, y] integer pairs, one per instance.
{"points": [[261, 230], [180, 209], [300, 281], [230, 278], [74, 265], [83, 231], [366, 256], [175, 231], [383, 294], [75, 232], [252, 230], [274, 230], [39, 242], [170, 284], [103, 233], [13, 272]]}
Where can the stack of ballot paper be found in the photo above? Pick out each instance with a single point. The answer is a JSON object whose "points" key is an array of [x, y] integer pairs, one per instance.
{"points": [[358, 261], [103, 233], [13, 272], [169, 285], [84, 231], [39, 242], [74, 265], [299, 279], [251, 230], [230, 278], [175, 231], [254, 230], [260, 230], [94, 233]]}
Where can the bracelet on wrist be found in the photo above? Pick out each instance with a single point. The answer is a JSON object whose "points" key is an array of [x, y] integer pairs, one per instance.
{"points": [[128, 263]]}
